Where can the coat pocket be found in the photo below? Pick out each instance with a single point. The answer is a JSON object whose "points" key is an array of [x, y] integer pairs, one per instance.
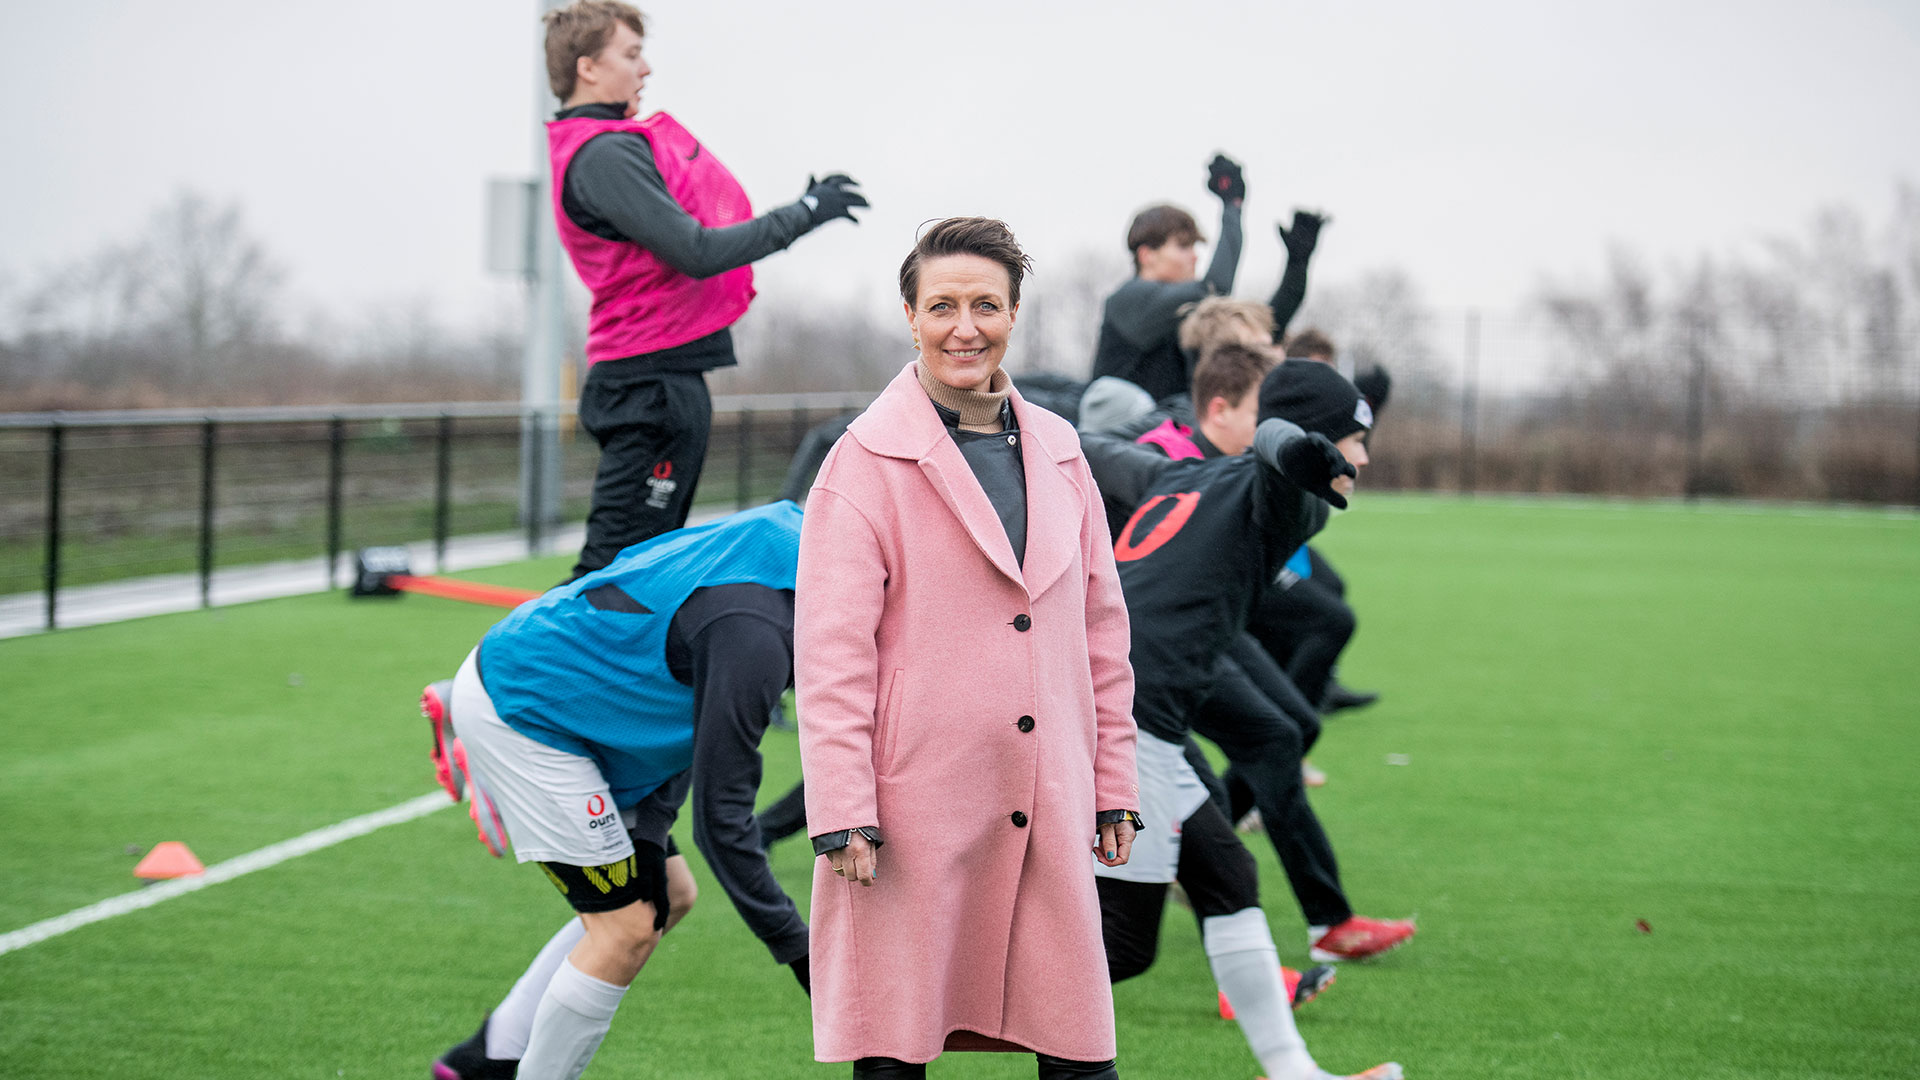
{"points": [[887, 734]]}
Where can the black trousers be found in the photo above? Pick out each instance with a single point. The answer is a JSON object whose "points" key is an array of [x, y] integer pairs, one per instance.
{"points": [[1306, 626], [1051, 1068], [1215, 869], [1264, 726], [652, 427]]}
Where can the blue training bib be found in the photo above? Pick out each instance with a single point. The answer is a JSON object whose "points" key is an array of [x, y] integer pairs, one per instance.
{"points": [[583, 668]]}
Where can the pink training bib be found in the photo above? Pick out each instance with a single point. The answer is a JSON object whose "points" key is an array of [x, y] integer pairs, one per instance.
{"points": [[640, 304], [1175, 439]]}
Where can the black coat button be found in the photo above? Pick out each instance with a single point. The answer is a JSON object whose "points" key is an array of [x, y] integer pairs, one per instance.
{"points": [[1021, 622], [1019, 820], [1025, 723]]}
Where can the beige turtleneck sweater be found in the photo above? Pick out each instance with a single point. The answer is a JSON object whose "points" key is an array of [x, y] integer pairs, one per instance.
{"points": [[979, 409]]}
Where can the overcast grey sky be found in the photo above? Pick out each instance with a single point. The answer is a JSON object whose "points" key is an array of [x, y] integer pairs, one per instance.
{"points": [[1477, 144]]}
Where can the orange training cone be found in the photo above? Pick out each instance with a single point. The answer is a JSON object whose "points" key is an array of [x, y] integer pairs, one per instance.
{"points": [[170, 859]]}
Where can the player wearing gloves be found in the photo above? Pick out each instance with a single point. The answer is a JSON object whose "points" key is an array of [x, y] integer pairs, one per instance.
{"points": [[1140, 323], [1304, 618], [584, 717], [1206, 535], [662, 235]]}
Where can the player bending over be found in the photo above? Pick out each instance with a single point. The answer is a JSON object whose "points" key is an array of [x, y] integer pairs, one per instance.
{"points": [[584, 717]]}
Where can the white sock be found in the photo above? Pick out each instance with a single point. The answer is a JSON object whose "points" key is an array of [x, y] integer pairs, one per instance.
{"points": [[573, 1017], [512, 1022], [1246, 965]]}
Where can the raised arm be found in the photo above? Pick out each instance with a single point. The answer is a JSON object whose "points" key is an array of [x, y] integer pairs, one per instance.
{"points": [[1226, 253], [1299, 242], [1225, 181], [613, 179]]}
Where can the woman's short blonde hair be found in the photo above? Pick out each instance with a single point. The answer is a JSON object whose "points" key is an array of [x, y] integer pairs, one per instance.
{"points": [[1222, 320]]}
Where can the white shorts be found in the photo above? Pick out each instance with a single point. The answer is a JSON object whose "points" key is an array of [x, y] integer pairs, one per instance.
{"points": [[1170, 791], [556, 806]]}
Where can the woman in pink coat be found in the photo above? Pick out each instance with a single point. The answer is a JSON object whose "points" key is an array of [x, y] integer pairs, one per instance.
{"points": [[961, 663]]}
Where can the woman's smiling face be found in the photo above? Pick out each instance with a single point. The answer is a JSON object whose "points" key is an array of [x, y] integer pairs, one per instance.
{"points": [[962, 319]]}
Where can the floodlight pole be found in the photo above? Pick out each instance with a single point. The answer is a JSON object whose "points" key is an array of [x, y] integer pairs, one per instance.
{"points": [[546, 315]]}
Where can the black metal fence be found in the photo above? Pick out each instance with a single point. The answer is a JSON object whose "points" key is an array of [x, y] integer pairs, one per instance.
{"points": [[96, 497], [1502, 404]]}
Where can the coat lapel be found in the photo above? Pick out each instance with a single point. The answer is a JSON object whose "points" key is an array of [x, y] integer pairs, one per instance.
{"points": [[947, 470], [1054, 504]]}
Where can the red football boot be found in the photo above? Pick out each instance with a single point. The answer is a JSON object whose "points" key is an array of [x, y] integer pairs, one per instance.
{"points": [[1360, 937]]}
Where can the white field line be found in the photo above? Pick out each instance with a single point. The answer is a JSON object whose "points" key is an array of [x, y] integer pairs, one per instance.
{"points": [[271, 855]]}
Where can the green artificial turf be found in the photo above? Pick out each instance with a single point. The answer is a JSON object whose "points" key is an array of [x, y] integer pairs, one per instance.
{"points": [[1656, 808]]}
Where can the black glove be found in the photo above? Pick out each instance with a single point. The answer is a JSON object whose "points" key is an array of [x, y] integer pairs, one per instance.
{"points": [[1224, 180], [834, 197], [1311, 463], [803, 970], [1374, 384], [1305, 233]]}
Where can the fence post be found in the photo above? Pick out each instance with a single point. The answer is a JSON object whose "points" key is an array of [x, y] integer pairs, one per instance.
{"points": [[1469, 395], [799, 429], [1696, 411], [536, 477], [208, 439], [442, 490], [336, 474], [56, 467], [744, 461]]}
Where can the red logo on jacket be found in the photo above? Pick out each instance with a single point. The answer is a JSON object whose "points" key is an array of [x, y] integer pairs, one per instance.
{"points": [[1127, 549]]}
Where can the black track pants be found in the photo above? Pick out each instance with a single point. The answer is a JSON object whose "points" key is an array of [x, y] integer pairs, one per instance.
{"points": [[652, 428], [1264, 727], [1306, 626]]}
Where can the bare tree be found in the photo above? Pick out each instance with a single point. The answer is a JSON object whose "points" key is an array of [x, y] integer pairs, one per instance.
{"points": [[203, 280], [1380, 320]]}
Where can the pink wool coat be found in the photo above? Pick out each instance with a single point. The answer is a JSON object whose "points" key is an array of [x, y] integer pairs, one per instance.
{"points": [[981, 715]]}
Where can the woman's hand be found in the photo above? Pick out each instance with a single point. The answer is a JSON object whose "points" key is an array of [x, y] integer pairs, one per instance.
{"points": [[1114, 844], [855, 862]]}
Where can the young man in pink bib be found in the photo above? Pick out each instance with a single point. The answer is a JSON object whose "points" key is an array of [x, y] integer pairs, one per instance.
{"points": [[662, 235]]}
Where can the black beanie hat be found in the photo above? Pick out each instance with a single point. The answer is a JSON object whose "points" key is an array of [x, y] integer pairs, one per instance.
{"points": [[1316, 397]]}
